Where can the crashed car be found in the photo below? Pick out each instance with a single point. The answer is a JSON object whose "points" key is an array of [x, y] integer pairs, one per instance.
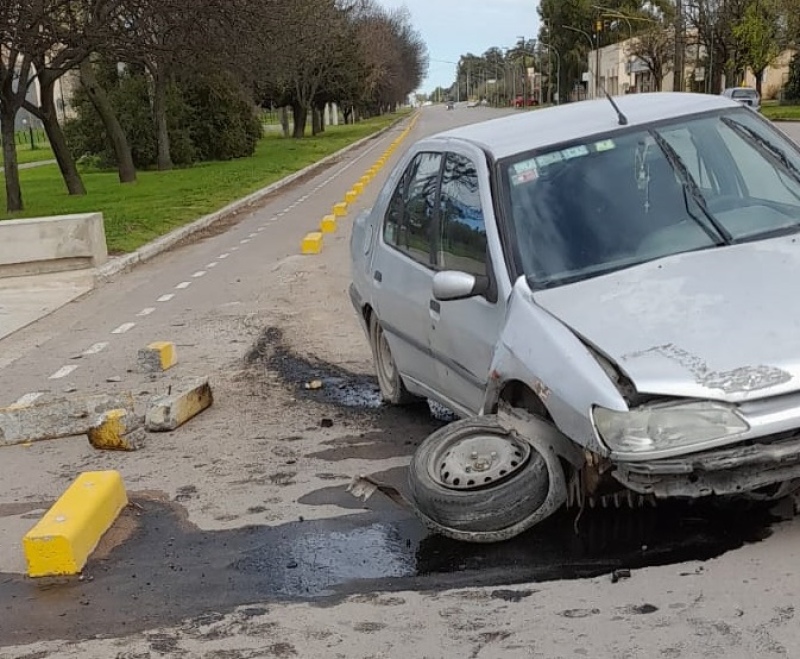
{"points": [[603, 292]]}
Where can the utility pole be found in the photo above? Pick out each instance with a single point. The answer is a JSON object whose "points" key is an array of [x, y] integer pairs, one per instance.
{"points": [[680, 48]]}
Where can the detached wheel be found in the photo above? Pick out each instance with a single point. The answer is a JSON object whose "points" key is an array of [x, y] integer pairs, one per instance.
{"points": [[474, 481], [393, 390]]}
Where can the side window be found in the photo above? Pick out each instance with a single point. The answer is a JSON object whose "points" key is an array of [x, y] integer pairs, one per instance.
{"points": [[409, 221], [462, 239]]}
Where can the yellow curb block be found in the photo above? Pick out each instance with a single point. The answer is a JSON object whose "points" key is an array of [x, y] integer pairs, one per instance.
{"points": [[312, 243], [169, 412], [364, 180], [350, 196], [158, 356], [340, 209], [328, 224], [111, 433], [62, 541], [358, 188]]}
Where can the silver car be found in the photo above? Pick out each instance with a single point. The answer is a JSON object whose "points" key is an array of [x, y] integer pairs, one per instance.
{"points": [[605, 292], [747, 96]]}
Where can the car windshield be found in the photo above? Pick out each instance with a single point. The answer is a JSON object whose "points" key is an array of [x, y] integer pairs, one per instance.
{"points": [[603, 204]]}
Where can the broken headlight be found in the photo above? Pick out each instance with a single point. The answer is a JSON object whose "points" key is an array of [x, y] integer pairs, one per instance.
{"points": [[660, 428]]}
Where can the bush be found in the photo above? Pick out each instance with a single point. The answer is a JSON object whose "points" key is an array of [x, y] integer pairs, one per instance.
{"points": [[792, 88], [224, 124], [210, 118]]}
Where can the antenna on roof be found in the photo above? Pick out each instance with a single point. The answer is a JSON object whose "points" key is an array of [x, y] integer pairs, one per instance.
{"points": [[623, 120]]}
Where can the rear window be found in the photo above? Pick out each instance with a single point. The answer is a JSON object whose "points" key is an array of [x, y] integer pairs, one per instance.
{"points": [[744, 93]]}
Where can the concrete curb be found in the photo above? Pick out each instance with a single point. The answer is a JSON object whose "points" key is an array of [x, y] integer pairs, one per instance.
{"points": [[167, 241]]}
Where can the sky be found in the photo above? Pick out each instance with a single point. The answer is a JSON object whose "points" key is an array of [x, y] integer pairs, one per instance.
{"points": [[452, 28]]}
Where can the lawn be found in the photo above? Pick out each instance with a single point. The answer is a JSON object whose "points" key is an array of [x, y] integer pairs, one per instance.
{"points": [[775, 112], [25, 154], [161, 201]]}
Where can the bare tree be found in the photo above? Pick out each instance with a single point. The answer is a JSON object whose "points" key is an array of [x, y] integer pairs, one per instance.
{"points": [[656, 49]]}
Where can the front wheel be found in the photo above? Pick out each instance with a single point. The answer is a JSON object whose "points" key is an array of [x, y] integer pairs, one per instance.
{"points": [[393, 390], [474, 481]]}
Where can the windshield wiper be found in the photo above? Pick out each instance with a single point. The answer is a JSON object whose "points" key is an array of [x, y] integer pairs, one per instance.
{"points": [[690, 188], [767, 148]]}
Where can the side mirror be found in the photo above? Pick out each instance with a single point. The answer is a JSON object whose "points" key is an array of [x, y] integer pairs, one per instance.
{"points": [[450, 285]]}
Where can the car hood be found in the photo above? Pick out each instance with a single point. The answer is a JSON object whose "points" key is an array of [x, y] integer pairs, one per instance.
{"points": [[722, 324]]}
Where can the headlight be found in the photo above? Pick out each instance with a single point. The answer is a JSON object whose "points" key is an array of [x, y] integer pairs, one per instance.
{"points": [[666, 427]]}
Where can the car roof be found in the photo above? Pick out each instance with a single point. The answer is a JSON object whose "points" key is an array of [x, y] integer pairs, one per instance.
{"points": [[518, 133]]}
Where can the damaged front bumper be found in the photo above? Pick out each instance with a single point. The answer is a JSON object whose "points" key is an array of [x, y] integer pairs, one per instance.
{"points": [[727, 471]]}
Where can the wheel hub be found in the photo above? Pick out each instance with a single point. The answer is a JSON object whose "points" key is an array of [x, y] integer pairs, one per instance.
{"points": [[478, 461]]}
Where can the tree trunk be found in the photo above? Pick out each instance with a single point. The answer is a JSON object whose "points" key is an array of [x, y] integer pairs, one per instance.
{"points": [[300, 114], [164, 159], [11, 169], [284, 114], [100, 102], [759, 80], [46, 112], [316, 121]]}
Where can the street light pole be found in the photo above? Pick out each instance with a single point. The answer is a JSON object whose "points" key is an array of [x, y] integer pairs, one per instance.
{"points": [[589, 56], [558, 73]]}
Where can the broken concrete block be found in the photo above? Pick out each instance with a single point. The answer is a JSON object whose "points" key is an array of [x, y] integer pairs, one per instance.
{"points": [[116, 430], [169, 412], [157, 357], [65, 417]]}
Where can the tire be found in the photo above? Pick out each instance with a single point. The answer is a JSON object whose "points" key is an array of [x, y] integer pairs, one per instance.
{"points": [[488, 513], [393, 391]]}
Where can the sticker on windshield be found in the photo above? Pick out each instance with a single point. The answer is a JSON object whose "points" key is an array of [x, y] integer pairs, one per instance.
{"points": [[525, 177], [604, 145], [549, 159], [525, 166], [575, 152]]}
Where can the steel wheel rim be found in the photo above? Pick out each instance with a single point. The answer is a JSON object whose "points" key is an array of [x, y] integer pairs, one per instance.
{"points": [[478, 461], [386, 367]]}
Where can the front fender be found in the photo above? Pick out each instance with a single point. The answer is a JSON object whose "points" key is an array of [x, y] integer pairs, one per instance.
{"points": [[539, 350]]}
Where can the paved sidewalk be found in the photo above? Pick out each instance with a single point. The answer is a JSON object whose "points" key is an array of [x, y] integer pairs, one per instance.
{"points": [[24, 300]]}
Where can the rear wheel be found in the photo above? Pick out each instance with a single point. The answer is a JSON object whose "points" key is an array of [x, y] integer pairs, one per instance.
{"points": [[474, 481], [393, 390]]}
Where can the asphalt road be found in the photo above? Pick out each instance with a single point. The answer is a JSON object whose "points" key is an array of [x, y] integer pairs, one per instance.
{"points": [[242, 540]]}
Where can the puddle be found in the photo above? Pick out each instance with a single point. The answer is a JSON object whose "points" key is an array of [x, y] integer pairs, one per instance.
{"points": [[321, 381], [169, 571]]}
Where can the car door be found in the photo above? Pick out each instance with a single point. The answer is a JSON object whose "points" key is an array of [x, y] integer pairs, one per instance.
{"points": [[466, 330], [403, 269]]}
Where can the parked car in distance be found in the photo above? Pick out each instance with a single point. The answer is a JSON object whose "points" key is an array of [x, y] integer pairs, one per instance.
{"points": [[451, 105], [519, 102], [473, 104], [744, 95], [633, 342]]}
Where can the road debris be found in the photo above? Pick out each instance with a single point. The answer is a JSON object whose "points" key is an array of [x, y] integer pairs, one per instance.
{"points": [[166, 413]]}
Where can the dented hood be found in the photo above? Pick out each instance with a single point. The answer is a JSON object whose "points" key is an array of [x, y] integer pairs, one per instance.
{"points": [[722, 324]]}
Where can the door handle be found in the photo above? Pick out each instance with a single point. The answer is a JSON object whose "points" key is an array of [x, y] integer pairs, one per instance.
{"points": [[435, 306], [378, 276]]}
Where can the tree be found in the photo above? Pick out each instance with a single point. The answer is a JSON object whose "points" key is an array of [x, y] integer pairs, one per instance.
{"points": [[656, 48], [760, 36]]}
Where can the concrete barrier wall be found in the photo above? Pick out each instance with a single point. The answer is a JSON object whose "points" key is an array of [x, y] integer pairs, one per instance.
{"points": [[52, 244]]}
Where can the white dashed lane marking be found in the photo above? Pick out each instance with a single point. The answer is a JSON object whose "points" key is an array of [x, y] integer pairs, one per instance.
{"points": [[146, 312], [224, 256], [245, 241], [125, 327], [28, 399], [213, 264], [252, 235], [64, 371], [199, 273], [93, 350], [183, 284], [166, 298]]}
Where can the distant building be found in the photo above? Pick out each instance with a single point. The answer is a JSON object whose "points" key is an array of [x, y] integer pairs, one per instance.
{"points": [[622, 73]]}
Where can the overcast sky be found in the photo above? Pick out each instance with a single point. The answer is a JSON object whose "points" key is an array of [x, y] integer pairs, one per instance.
{"points": [[452, 28]]}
